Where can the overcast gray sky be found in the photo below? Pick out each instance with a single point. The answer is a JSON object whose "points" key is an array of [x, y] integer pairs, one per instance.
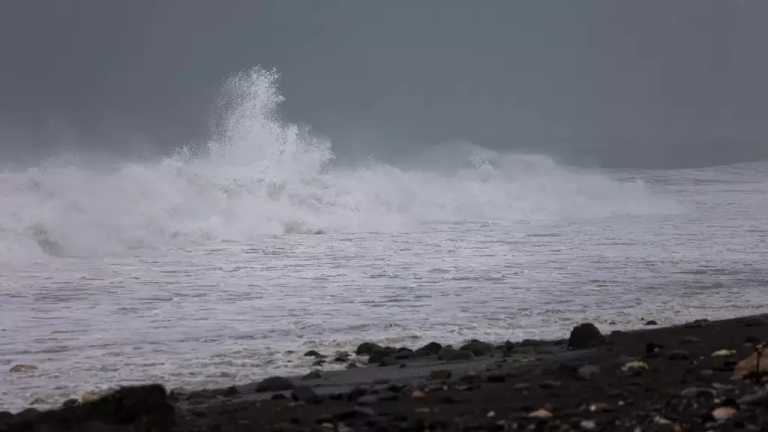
{"points": [[617, 83]]}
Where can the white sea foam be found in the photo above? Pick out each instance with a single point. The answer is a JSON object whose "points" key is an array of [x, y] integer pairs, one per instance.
{"points": [[261, 175]]}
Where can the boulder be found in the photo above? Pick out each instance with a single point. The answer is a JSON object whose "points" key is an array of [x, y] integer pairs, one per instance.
{"points": [[366, 348], [478, 348], [273, 384], [585, 336], [432, 348]]}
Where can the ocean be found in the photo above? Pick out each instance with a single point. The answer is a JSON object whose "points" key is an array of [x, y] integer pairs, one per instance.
{"points": [[222, 265]]}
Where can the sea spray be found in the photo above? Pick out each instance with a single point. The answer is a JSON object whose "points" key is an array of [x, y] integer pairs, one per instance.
{"points": [[260, 175]]}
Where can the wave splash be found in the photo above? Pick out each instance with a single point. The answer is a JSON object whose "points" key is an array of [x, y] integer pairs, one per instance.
{"points": [[260, 175]]}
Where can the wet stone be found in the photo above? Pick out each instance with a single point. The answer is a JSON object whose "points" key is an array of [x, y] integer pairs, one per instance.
{"points": [[585, 336], [432, 348], [440, 374], [275, 383]]}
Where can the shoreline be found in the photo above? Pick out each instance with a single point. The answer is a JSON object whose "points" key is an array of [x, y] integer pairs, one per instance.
{"points": [[653, 378]]}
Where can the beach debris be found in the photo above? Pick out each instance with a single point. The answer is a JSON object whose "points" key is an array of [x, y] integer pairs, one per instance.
{"points": [[659, 420], [22, 368], [541, 414], [585, 335], [691, 340], [724, 413], [418, 395], [491, 414], [588, 425], [432, 348], [477, 347], [635, 367], [275, 383]]}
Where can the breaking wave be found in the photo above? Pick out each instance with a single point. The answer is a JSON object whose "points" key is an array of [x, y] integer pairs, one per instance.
{"points": [[260, 175]]}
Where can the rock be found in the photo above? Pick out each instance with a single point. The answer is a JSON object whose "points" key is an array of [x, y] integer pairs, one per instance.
{"points": [[679, 355], [367, 400], [550, 384], [587, 371], [341, 357], [652, 349], [231, 391], [366, 348], [403, 354], [440, 374], [724, 360], [432, 348], [540, 414], [318, 362], [724, 413], [313, 353], [312, 375], [22, 368], [585, 336], [691, 340], [723, 353], [760, 399], [478, 348], [635, 367], [418, 395], [451, 354], [496, 378], [753, 366], [692, 392], [588, 425], [69, 403], [145, 404], [651, 323], [305, 394], [699, 323], [273, 384], [379, 354]]}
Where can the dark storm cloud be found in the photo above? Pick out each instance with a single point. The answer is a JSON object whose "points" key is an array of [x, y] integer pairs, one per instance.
{"points": [[651, 83]]}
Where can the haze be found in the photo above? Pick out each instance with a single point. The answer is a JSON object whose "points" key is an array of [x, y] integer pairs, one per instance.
{"points": [[648, 84]]}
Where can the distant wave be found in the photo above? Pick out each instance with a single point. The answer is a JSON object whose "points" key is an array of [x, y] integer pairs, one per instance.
{"points": [[260, 175]]}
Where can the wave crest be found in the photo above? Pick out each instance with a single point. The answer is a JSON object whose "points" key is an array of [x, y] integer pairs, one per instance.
{"points": [[261, 175]]}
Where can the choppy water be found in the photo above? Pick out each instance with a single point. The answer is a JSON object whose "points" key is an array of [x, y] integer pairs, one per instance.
{"points": [[219, 268]]}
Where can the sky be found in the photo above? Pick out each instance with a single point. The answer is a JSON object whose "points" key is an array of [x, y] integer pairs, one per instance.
{"points": [[653, 83]]}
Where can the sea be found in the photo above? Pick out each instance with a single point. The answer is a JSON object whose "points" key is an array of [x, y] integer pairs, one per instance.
{"points": [[224, 264]]}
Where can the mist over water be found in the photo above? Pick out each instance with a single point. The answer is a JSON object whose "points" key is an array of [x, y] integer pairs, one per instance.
{"points": [[260, 175]]}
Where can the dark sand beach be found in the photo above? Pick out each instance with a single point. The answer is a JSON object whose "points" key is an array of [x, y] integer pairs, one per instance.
{"points": [[704, 375]]}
